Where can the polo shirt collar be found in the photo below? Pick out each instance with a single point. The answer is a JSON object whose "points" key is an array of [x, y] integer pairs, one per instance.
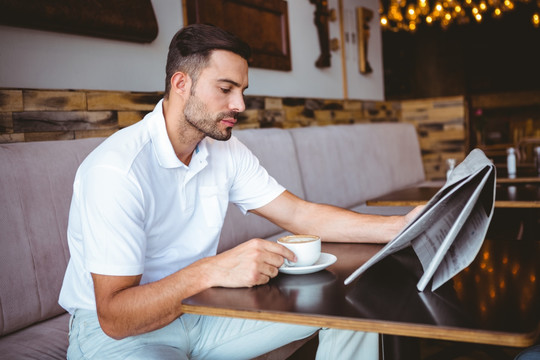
{"points": [[162, 144]]}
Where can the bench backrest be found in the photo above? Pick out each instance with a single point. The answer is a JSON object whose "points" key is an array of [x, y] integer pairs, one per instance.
{"points": [[35, 194]]}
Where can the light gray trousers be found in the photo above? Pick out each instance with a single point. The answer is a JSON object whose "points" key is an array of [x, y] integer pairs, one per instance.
{"points": [[208, 337]]}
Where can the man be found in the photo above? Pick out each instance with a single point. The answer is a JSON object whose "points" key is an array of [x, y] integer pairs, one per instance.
{"points": [[141, 238]]}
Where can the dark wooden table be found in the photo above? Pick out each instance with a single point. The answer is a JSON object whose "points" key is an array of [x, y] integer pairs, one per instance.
{"points": [[524, 171], [509, 194], [494, 301], [519, 180]]}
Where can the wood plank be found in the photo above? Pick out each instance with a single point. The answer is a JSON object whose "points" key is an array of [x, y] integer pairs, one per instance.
{"points": [[251, 116], [426, 145], [271, 103], [11, 100], [11, 138], [433, 136], [346, 116], [6, 122], [435, 115], [43, 100], [272, 118], [39, 121], [49, 136], [112, 100], [352, 105], [83, 134], [247, 126], [377, 110], [127, 118], [323, 115], [505, 100], [432, 103]]}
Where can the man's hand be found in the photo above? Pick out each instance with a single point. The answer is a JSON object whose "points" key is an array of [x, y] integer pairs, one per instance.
{"points": [[413, 214], [251, 263]]}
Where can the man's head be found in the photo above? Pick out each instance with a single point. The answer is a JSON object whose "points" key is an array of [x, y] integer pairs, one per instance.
{"points": [[192, 46]]}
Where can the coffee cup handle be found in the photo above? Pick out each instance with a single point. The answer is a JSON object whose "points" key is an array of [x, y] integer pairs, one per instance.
{"points": [[288, 263]]}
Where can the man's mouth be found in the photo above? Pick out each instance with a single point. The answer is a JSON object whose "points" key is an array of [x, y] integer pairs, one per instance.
{"points": [[229, 119]]}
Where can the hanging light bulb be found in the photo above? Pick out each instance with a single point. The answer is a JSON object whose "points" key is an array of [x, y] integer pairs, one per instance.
{"points": [[423, 7], [509, 4], [536, 20], [411, 13]]}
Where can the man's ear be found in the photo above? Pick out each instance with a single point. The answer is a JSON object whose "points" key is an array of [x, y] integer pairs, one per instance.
{"points": [[181, 84]]}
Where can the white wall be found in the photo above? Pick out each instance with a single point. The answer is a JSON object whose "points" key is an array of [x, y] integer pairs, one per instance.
{"points": [[48, 60]]}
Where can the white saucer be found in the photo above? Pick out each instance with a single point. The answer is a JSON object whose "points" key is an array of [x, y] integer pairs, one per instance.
{"points": [[324, 261]]}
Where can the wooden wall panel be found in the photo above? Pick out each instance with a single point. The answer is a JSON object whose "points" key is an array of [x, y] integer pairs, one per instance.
{"points": [[263, 24], [129, 20]]}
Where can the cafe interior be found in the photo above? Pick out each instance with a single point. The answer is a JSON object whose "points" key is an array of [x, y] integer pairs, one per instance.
{"points": [[464, 73]]}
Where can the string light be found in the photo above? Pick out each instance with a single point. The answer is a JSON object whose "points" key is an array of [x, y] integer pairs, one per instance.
{"points": [[406, 15]]}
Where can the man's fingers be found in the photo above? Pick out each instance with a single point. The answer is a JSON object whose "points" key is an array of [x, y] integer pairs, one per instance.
{"points": [[280, 250]]}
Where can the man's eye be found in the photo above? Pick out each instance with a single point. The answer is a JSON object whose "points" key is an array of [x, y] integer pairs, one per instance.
{"points": [[225, 90]]}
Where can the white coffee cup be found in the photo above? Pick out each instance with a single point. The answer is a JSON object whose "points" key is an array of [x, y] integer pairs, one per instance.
{"points": [[307, 249]]}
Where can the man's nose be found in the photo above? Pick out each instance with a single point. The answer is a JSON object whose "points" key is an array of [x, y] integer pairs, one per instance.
{"points": [[237, 103]]}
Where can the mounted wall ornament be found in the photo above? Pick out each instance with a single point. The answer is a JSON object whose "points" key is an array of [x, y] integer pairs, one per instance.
{"points": [[363, 17], [322, 16], [263, 24], [128, 20]]}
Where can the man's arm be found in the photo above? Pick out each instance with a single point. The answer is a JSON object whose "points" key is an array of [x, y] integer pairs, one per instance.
{"points": [[126, 308], [332, 223]]}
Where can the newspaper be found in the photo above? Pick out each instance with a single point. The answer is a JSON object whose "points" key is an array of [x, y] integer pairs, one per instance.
{"points": [[448, 233]]}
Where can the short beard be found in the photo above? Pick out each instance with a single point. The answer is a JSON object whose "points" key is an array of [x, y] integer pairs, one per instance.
{"points": [[197, 115]]}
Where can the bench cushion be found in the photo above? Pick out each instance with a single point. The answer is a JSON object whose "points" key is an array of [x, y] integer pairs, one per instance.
{"points": [[46, 340]]}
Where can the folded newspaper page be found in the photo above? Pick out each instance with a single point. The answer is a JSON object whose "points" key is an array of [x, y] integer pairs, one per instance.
{"points": [[448, 233]]}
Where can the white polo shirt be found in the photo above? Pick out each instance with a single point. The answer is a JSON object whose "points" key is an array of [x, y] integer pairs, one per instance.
{"points": [[137, 209]]}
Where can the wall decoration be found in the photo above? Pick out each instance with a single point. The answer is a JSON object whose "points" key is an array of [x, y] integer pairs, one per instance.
{"points": [[128, 20], [322, 16], [263, 24], [363, 17]]}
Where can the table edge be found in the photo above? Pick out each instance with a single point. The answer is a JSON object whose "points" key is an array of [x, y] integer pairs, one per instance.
{"points": [[498, 203], [376, 326]]}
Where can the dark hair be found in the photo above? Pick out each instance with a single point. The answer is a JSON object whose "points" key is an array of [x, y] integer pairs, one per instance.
{"points": [[191, 47]]}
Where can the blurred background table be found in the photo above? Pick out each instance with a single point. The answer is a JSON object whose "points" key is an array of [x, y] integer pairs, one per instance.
{"points": [[509, 194]]}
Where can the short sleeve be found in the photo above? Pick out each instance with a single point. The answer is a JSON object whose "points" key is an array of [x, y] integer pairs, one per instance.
{"points": [[111, 211], [253, 187]]}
